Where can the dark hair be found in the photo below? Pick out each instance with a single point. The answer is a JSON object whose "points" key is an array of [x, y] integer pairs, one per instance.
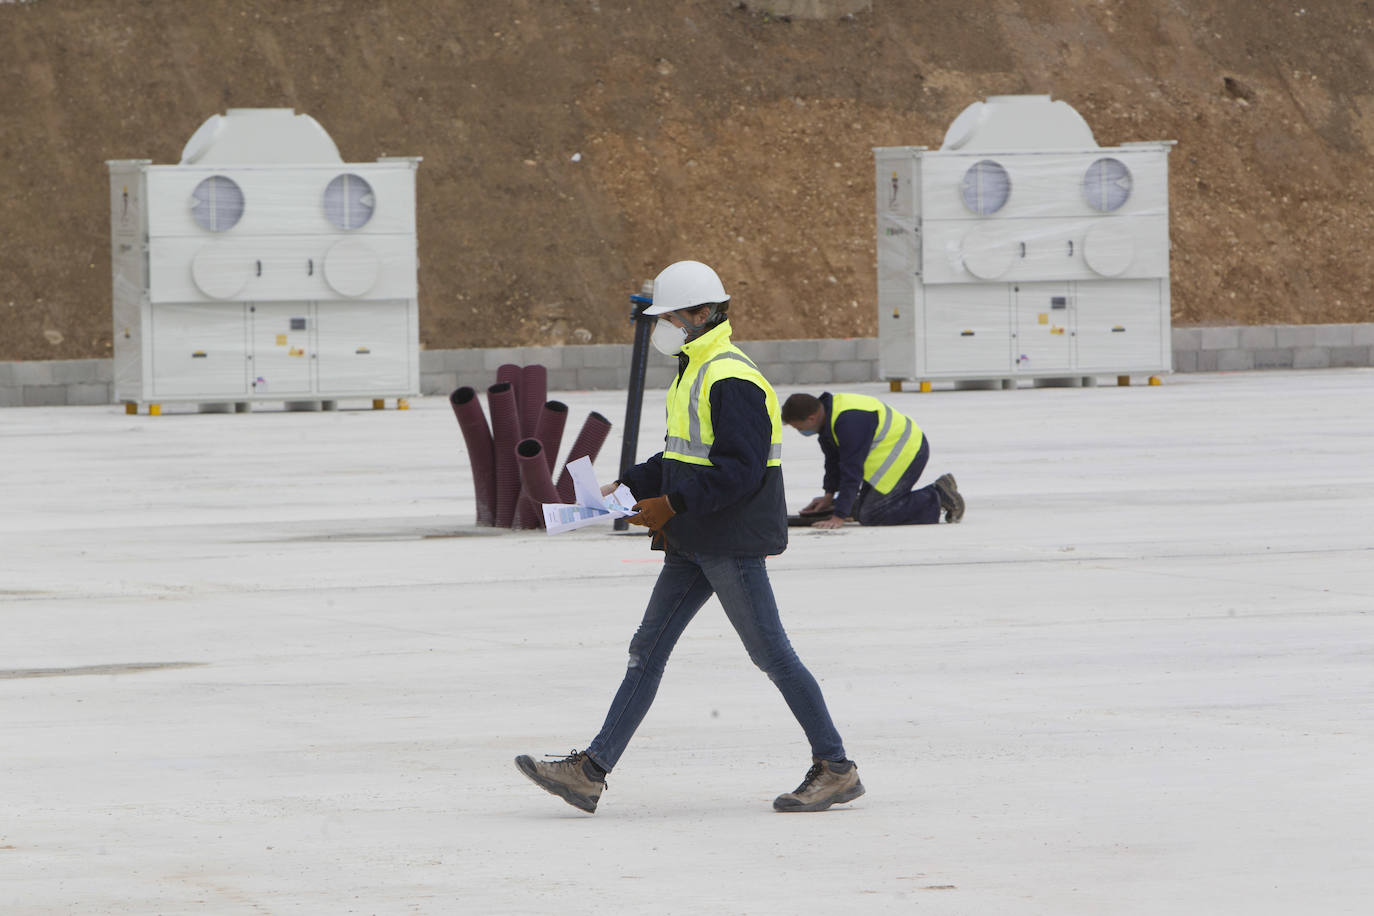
{"points": [[798, 407], [718, 313], [716, 316]]}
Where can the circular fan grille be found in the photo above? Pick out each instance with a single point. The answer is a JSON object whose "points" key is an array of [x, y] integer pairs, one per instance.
{"points": [[348, 202], [986, 187], [217, 204], [1107, 185]]}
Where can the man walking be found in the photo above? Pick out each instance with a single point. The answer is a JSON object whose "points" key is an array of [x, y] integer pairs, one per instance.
{"points": [[713, 499]]}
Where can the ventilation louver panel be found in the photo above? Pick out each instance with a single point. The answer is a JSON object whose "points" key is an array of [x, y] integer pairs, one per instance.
{"points": [[986, 187], [217, 204], [348, 202], [1107, 185]]}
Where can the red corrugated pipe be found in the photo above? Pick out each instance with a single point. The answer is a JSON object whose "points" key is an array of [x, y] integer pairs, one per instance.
{"points": [[588, 443], [549, 430], [505, 433], [528, 513], [473, 422], [510, 374], [536, 485], [534, 388]]}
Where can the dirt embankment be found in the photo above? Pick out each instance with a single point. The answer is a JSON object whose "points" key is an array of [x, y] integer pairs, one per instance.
{"points": [[573, 148]]}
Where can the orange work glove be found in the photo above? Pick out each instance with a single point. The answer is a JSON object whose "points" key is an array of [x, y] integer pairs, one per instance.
{"points": [[653, 513]]}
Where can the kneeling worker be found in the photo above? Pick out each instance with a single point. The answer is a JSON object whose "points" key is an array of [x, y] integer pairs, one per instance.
{"points": [[873, 457]]}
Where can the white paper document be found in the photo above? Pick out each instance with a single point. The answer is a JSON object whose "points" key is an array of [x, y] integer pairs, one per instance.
{"points": [[590, 507]]}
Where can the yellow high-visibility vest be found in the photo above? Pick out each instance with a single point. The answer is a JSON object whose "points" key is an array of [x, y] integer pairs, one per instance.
{"points": [[711, 358], [894, 444]]}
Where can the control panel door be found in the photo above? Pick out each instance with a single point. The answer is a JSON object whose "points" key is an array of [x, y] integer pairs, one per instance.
{"points": [[282, 348], [1044, 341]]}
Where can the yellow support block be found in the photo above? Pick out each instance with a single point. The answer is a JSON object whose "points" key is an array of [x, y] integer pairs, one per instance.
{"points": [[1155, 380], [379, 404], [1123, 380], [894, 384], [131, 408], [925, 388], [154, 410], [402, 404]]}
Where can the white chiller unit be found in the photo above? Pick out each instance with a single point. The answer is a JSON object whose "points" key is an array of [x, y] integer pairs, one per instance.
{"points": [[264, 268], [1022, 249]]}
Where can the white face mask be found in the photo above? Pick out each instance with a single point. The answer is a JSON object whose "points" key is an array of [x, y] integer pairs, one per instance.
{"points": [[668, 338]]}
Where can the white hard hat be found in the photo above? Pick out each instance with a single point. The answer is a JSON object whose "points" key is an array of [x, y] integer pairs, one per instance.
{"points": [[684, 285]]}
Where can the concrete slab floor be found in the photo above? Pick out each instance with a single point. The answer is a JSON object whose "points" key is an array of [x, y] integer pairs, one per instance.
{"points": [[266, 663]]}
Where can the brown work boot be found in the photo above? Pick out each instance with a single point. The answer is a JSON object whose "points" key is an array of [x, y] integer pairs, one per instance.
{"points": [[951, 500], [828, 782], [574, 778]]}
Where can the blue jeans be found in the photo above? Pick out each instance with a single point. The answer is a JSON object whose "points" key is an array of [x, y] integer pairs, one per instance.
{"points": [[901, 505], [685, 584]]}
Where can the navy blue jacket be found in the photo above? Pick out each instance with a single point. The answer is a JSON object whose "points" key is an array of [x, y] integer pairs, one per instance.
{"points": [[845, 450], [735, 507]]}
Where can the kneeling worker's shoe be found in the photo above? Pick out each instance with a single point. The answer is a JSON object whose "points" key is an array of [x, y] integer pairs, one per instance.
{"points": [[828, 782], [574, 778], [950, 499]]}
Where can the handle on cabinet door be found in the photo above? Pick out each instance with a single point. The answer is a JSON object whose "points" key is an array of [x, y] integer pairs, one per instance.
{"points": [[259, 263], [310, 267], [1023, 249], [1070, 247]]}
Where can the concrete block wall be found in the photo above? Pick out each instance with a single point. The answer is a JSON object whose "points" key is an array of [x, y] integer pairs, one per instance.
{"points": [[603, 366], [784, 362], [831, 362], [1284, 346], [56, 382]]}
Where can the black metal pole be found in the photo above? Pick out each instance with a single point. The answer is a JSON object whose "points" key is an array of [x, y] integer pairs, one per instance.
{"points": [[634, 398]]}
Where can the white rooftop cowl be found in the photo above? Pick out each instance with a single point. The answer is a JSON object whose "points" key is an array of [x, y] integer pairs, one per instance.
{"points": [[258, 136], [1007, 123]]}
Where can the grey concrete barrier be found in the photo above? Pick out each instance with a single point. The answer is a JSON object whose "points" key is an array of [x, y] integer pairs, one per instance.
{"points": [[592, 367]]}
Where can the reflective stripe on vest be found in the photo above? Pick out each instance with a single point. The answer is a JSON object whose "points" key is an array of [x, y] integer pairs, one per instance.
{"points": [[690, 437], [894, 445]]}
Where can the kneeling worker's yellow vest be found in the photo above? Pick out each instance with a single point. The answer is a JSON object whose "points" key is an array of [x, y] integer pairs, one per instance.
{"points": [[894, 444], [711, 358]]}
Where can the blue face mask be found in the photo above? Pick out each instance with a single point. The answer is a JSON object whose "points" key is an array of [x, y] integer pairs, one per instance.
{"points": [[808, 432]]}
